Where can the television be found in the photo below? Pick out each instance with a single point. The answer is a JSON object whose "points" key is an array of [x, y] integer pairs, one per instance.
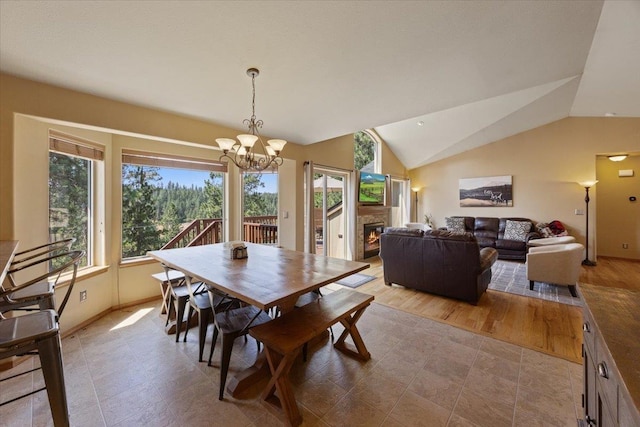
{"points": [[371, 188]]}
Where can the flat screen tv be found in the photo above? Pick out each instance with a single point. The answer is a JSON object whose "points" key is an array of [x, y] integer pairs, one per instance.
{"points": [[371, 188]]}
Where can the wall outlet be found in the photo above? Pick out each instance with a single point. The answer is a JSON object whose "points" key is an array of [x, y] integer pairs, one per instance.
{"points": [[579, 212], [625, 246], [83, 296]]}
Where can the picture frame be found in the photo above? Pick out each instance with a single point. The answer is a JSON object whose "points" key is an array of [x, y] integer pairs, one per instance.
{"points": [[488, 191]]}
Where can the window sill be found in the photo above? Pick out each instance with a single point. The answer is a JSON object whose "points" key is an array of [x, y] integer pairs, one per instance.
{"points": [[83, 274], [132, 262]]}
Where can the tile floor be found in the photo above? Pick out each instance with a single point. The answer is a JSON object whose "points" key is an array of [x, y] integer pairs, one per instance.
{"points": [[124, 371]]}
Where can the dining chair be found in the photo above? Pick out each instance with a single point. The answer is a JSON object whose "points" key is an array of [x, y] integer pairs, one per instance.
{"points": [[38, 333], [177, 296], [30, 289], [201, 303], [231, 324]]}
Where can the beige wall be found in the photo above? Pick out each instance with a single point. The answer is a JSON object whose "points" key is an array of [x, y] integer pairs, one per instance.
{"points": [[618, 218], [29, 109], [545, 163]]}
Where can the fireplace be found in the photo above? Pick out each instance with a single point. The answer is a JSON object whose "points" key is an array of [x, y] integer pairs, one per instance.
{"points": [[372, 234]]}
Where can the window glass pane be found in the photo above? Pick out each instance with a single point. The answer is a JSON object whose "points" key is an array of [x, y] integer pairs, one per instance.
{"points": [[260, 207], [159, 203], [364, 152], [70, 201]]}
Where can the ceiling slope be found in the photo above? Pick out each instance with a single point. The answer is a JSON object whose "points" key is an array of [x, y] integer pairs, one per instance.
{"points": [[472, 71]]}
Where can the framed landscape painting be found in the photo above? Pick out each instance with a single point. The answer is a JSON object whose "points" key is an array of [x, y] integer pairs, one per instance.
{"points": [[486, 191]]}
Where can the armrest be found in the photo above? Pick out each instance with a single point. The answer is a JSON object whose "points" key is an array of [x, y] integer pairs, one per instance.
{"points": [[533, 235], [69, 259], [488, 257]]}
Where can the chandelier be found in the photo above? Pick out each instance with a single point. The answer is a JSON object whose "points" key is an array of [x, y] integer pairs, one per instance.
{"points": [[243, 154]]}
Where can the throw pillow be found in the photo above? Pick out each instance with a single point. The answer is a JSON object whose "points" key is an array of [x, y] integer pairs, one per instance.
{"points": [[544, 230], [517, 230], [455, 224]]}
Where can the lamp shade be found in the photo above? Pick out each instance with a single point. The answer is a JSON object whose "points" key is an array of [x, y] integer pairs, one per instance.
{"points": [[588, 184], [225, 144], [277, 144], [247, 140]]}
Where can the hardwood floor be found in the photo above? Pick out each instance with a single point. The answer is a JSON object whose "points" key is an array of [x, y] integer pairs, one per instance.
{"points": [[545, 326]]}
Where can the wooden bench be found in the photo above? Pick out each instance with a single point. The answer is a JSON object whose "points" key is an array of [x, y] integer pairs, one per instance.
{"points": [[284, 337]]}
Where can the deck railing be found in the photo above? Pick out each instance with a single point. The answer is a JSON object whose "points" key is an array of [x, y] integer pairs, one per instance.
{"points": [[257, 229]]}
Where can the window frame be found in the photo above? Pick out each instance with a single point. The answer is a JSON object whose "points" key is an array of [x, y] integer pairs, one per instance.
{"points": [[165, 160], [94, 153]]}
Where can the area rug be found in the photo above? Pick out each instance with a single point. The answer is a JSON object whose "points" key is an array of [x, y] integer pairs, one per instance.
{"points": [[355, 280], [511, 277]]}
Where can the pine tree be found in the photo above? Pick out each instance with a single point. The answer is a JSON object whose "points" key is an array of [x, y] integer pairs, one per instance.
{"points": [[139, 232]]}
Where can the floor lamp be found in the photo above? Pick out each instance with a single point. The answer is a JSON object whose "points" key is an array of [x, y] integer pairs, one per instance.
{"points": [[587, 185], [415, 190]]}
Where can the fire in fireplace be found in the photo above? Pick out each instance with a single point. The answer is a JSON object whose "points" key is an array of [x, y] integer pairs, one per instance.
{"points": [[372, 234]]}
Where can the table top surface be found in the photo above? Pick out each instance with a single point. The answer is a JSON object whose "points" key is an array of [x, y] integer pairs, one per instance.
{"points": [[7, 251], [269, 277]]}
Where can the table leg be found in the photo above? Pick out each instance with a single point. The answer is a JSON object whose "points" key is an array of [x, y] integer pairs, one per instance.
{"points": [[351, 329], [283, 405]]}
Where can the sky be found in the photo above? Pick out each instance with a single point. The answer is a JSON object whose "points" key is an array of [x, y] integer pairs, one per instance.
{"points": [[197, 178]]}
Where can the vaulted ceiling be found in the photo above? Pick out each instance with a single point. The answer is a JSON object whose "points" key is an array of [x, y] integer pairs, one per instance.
{"points": [[433, 78]]}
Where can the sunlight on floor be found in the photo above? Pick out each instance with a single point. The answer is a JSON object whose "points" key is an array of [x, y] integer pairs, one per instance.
{"points": [[133, 318]]}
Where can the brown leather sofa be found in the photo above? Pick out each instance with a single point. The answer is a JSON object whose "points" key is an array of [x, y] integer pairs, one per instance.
{"points": [[437, 261], [490, 234]]}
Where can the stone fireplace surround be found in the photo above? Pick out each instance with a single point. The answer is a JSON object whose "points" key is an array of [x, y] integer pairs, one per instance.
{"points": [[368, 215]]}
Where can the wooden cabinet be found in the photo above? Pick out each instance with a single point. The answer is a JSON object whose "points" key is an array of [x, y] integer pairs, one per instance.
{"points": [[611, 352]]}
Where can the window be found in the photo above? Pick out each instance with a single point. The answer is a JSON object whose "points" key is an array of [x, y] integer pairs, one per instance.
{"points": [[400, 203], [260, 207], [169, 201], [366, 148], [73, 165]]}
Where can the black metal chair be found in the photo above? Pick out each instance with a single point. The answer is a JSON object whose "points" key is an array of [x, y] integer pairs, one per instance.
{"points": [[200, 303], [231, 323], [38, 333]]}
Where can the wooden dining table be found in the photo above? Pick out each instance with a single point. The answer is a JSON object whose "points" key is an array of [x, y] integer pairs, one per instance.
{"points": [[269, 277], [8, 249]]}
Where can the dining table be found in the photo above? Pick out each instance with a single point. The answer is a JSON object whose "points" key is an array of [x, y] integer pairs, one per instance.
{"points": [[8, 249], [269, 277]]}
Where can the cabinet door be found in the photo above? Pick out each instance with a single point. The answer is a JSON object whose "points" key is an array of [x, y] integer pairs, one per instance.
{"points": [[606, 416], [589, 402], [627, 413]]}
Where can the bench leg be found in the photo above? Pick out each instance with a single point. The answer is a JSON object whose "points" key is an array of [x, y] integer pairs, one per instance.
{"points": [[284, 404], [349, 324]]}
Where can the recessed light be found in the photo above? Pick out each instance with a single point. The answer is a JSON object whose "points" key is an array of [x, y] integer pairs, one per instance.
{"points": [[420, 123], [610, 114]]}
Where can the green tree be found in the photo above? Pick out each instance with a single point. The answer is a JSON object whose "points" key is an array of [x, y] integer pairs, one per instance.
{"points": [[363, 149], [170, 222], [69, 199], [211, 200], [254, 202], [139, 231]]}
